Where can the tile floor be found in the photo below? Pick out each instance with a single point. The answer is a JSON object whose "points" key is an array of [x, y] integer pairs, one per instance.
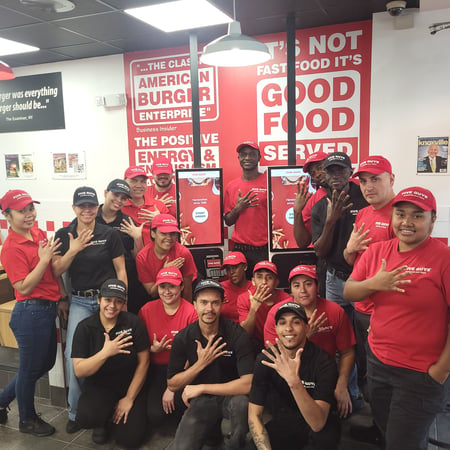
{"points": [[12, 439]]}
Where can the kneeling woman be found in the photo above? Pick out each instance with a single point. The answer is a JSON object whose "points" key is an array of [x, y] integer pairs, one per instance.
{"points": [[110, 349]]}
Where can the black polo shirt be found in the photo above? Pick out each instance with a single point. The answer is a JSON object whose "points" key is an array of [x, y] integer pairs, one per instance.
{"points": [[93, 265], [318, 372], [239, 359], [118, 370], [342, 228]]}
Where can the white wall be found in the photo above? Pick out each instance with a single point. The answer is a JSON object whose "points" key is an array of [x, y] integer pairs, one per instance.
{"points": [[410, 97], [99, 131]]}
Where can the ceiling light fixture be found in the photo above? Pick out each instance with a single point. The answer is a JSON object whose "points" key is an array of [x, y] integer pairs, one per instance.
{"points": [[180, 15], [6, 72], [8, 47], [235, 49]]}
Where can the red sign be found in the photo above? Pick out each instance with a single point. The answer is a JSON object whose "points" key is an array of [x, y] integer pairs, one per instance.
{"points": [[333, 66]]}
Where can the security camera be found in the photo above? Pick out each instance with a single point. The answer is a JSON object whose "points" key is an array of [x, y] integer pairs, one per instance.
{"points": [[396, 7]]}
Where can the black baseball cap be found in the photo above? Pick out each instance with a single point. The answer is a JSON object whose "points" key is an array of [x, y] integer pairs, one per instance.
{"points": [[114, 288], [337, 159], [208, 284], [85, 194], [291, 307], [119, 186]]}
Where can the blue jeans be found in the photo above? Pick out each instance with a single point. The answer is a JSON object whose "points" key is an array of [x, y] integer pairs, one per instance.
{"points": [[80, 308], [204, 413], [33, 325], [404, 403], [335, 293]]}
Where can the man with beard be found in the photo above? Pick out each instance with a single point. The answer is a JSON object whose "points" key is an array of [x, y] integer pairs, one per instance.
{"points": [[217, 376], [245, 207], [163, 188], [297, 378]]}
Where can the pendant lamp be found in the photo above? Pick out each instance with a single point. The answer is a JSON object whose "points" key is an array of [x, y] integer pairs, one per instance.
{"points": [[235, 49]]}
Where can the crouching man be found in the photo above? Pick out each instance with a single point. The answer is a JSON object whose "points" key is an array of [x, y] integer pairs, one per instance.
{"points": [[217, 376], [298, 379]]}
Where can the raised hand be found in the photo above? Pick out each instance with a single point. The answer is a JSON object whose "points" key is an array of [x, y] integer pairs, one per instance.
{"points": [[337, 205], [262, 294], [390, 281], [213, 350], [303, 195], [48, 249], [130, 228], [247, 201], [82, 241], [117, 345], [167, 199], [315, 323], [147, 215], [177, 262], [288, 368], [358, 240], [159, 346]]}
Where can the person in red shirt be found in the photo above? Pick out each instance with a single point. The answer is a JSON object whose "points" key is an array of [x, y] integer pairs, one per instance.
{"points": [[254, 305], [245, 207], [164, 318], [235, 266], [329, 328], [163, 187], [165, 251], [26, 256], [141, 206], [408, 280], [304, 200]]}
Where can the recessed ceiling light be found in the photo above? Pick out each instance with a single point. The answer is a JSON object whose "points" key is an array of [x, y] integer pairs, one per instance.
{"points": [[8, 47], [180, 15]]}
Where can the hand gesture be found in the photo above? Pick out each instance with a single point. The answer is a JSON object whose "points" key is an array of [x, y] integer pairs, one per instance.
{"points": [[81, 242], [247, 201], [210, 352], [390, 281], [337, 206], [48, 249], [122, 410], [167, 199], [130, 228], [147, 215], [177, 262], [168, 401], [358, 241], [117, 345], [344, 402], [191, 391], [159, 346], [315, 323], [288, 368], [262, 294], [303, 195]]}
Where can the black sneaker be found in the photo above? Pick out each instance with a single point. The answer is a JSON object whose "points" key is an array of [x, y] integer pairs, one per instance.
{"points": [[3, 415], [72, 426], [100, 435], [36, 427]]}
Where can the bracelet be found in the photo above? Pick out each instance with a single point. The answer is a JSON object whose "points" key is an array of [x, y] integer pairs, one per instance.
{"points": [[259, 301]]}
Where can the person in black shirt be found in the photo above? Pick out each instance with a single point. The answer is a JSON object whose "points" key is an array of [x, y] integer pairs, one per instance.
{"points": [[296, 379], [110, 214], [218, 376], [91, 253], [110, 349]]}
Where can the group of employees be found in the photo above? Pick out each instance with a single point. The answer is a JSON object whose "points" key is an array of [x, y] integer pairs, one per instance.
{"points": [[149, 343]]}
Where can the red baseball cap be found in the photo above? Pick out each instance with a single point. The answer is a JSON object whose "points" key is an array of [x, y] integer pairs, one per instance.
{"points": [[267, 265], [315, 157], [170, 275], [165, 223], [419, 196], [233, 259], [135, 171], [309, 271], [374, 164], [162, 165], [250, 144], [16, 199]]}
